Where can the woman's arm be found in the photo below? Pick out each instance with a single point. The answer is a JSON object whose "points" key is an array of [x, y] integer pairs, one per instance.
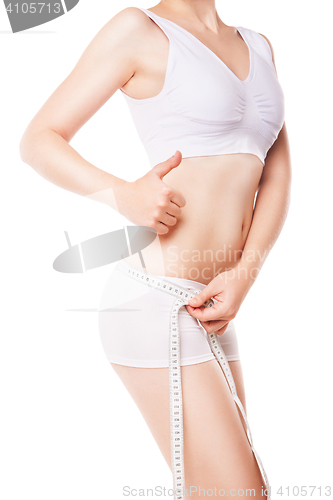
{"points": [[272, 202], [231, 287], [271, 208], [109, 61], [105, 66]]}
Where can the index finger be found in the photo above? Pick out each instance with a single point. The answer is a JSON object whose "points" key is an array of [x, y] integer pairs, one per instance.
{"points": [[206, 313], [178, 199]]}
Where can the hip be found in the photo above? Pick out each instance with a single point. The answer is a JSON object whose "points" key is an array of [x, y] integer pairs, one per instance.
{"points": [[134, 323]]}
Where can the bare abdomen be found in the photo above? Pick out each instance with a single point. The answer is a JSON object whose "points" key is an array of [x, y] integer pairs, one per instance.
{"points": [[210, 235]]}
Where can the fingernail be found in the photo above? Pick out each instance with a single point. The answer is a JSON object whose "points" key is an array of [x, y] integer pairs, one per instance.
{"points": [[193, 302]]}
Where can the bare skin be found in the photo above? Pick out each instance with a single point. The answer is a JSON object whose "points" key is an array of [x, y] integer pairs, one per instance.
{"points": [[199, 204], [216, 450]]}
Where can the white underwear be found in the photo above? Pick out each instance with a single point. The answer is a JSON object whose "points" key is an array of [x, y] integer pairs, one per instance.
{"points": [[134, 325]]}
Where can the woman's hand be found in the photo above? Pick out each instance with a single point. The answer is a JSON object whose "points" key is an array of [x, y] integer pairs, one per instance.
{"points": [[149, 201], [229, 289]]}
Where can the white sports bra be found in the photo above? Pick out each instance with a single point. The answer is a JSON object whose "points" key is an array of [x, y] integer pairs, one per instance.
{"points": [[204, 109]]}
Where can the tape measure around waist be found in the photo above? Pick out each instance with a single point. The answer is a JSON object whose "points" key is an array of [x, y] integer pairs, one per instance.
{"points": [[183, 295]]}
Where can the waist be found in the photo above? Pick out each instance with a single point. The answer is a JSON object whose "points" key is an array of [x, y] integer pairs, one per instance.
{"points": [[183, 288], [186, 263], [210, 234]]}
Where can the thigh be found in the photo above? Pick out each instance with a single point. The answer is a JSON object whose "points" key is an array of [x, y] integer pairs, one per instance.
{"points": [[149, 388], [216, 449], [237, 373]]}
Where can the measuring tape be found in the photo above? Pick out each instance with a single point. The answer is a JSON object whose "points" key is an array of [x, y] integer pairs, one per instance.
{"points": [[183, 295]]}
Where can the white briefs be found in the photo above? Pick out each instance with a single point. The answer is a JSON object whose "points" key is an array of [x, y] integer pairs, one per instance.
{"points": [[134, 325]]}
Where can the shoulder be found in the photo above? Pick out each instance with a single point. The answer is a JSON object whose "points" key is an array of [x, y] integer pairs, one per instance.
{"points": [[262, 45], [124, 35], [132, 29], [129, 19], [270, 46], [126, 24]]}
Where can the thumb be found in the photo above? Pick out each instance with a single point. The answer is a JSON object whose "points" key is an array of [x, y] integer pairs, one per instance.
{"points": [[205, 294], [163, 168]]}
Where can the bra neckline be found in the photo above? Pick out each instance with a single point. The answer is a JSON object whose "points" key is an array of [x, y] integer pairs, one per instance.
{"points": [[238, 28]]}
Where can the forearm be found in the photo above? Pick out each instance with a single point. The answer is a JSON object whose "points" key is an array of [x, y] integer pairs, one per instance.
{"points": [[52, 157], [270, 212]]}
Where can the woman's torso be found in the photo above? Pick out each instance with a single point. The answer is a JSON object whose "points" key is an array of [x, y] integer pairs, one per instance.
{"points": [[211, 232], [219, 190]]}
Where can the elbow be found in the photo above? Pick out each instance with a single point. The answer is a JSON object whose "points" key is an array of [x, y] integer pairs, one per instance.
{"points": [[23, 149], [277, 183], [30, 144], [278, 175], [27, 146]]}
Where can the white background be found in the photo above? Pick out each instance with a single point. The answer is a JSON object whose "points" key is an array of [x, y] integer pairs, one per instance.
{"points": [[69, 429]]}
